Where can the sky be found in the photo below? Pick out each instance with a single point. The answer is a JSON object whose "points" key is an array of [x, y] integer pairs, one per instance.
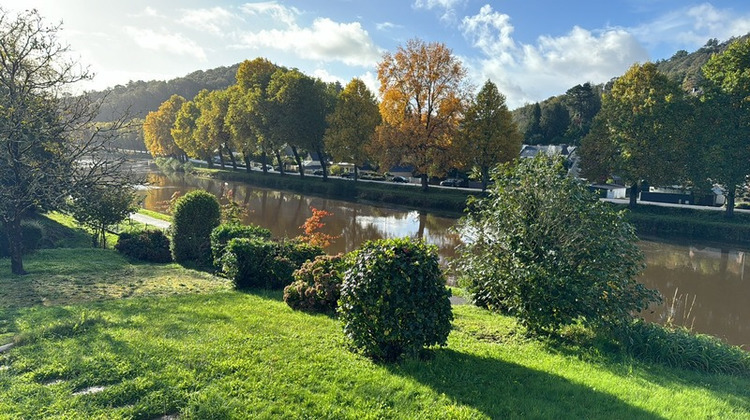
{"points": [[531, 49]]}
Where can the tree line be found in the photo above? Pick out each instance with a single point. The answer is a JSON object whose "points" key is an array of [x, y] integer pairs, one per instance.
{"points": [[650, 129], [426, 118]]}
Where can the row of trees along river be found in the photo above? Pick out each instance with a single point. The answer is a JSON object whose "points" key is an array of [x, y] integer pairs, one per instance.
{"points": [[704, 285]]}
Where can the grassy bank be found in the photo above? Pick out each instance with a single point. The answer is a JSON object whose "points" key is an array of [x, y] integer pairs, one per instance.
{"points": [[182, 343]]}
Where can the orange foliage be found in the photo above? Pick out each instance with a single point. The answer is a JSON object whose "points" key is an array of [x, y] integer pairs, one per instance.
{"points": [[311, 229]]}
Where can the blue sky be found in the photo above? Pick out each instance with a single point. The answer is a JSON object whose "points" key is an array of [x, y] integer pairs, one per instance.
{"points": [[532, 49]]}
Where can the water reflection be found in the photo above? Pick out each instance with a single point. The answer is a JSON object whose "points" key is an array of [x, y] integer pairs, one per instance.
{"points": [[283, 213], [704, 287], [712, 276]]}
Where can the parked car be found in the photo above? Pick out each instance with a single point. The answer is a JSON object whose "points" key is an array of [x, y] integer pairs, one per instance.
{"points": [[400, 179], [454, 182]]}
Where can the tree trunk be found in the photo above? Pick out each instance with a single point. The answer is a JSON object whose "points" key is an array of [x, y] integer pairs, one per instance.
{"points": [[264, 160], [633, 195], [356, 173], [281, 164], [221, 158], [485, 177], [425, 185], [323, 164], [246, 159], [231, 158], [15, 243], [730, 202], [299, 162]]}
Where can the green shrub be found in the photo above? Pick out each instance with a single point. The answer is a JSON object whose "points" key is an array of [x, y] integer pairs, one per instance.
{"points": [[32, 233], [317, 285], [196, 214], [148, 245], [548, 251], [682, 349], [394, 301], [259, 262], [226, 231]]}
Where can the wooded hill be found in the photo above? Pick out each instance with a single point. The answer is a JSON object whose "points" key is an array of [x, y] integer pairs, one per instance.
{"points": [[558, 120], [555, 118], [139, 98]]}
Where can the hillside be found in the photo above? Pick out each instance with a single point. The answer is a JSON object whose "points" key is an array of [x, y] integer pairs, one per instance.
{"points": [[682, 66], [139, 98]]}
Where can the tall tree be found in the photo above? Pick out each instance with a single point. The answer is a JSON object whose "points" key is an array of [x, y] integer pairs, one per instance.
{"points": [[583, 102], [726, 132], [533, 133], [489, 135], [157, 129], [211, 124], [646, 114], [44, 132], [191, 133], [554, 122], [351, 126], [423, 93], [598, 152], [301, 108], [246, 117]]}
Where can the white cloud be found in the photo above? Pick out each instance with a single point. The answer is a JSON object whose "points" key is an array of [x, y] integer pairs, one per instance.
{"points": [[277, 12], [166, 42], [532, 72], [448, 7], [215, 20], [325, 40], [386, 26], [432, 4], [690, 28]]}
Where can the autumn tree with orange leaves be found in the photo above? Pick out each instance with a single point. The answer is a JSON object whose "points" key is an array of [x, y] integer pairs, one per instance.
{"points": [[423, 94]]}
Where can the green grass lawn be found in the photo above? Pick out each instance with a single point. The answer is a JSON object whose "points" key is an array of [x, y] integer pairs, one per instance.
{"points": [[99, 337]]}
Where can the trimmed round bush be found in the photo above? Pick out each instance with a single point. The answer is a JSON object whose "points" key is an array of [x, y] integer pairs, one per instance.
{"points": [[259, 262], [394, 301], [149, 245], [221, 235], [317, 285], [196, 214]]}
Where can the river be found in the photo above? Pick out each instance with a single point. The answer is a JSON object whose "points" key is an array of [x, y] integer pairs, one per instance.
{"points": [[705, 286]]}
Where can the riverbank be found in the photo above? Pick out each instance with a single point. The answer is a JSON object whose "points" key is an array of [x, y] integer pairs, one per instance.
{"points": [[108, 338], [671, 223]]}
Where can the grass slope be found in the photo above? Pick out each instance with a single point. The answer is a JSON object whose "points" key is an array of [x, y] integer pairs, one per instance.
{"points": [[225, 354]]}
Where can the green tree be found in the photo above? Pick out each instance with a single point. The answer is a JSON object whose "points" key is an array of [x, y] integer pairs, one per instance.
{"points": [[423, 94], [554, 122], [211, 125], [301, 107], [726, 131], [533, 133], [545, 249], [157, 129], [598, 152], [583, 102], [247, 116], [44, 131], [189, 131], [100, 208], [648, 118], [488, 134], [351, 125]]}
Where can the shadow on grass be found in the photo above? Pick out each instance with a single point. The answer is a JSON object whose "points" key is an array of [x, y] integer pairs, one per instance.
{"points": [[505, 390]]}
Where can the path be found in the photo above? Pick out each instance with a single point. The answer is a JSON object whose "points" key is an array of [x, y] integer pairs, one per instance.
{"points": [[151, 221]]}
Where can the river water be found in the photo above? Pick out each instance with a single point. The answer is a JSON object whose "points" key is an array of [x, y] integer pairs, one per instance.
{"points": [[706, 287]]}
